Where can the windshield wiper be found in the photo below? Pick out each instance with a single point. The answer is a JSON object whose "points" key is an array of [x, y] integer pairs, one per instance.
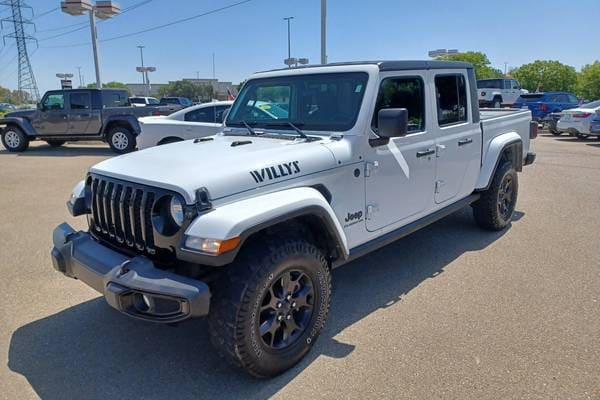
{"points": [[252, 132], [292, 125]]}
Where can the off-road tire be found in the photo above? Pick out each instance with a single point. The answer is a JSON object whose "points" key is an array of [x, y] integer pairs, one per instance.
{"points": [[488, 209], [238, 295], [121, 140], [497, 103], [55, 143], [14, 139]]}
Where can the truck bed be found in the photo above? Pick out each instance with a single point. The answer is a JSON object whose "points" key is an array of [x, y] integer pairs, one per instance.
{"points": [[497, 121]]}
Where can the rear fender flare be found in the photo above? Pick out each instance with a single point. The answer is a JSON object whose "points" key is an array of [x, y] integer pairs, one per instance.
{"points": [[493, 155], [125, 119], [246, 217]]}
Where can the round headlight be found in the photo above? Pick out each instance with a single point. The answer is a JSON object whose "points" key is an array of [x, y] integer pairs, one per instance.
{"points": [[176, 210]]}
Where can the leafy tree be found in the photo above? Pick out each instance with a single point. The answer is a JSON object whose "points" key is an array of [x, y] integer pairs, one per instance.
{"points": [[588, 81], [189, 89], [481, 64], [544, 75], [112, 85]]}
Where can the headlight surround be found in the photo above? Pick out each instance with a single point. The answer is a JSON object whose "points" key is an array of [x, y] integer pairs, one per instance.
{"points": [[176, 210]]}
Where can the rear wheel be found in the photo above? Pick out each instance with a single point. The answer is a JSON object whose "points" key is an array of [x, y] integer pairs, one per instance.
{"points": [[55, 143], [121, 140], [497, 103], [496, 206], [270, 305], [14, 139]]}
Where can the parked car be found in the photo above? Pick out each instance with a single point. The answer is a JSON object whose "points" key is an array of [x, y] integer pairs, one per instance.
{"points": [[595, 125], [550, 121], [498, 92], [245, 226], [192, 122], [541, 104], [143, 101], [180, 101], [7, 107], [578, 121], [78, 114]]}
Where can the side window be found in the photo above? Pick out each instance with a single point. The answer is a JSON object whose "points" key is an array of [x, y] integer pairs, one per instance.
{"points": [[402, 93], [55, 101], [507, 84], [219, 114], [573, 99], [206, 114], [451, 93], [79, 101], [515, 84]]}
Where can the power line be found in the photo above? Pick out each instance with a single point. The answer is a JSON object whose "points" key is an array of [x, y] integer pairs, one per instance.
{"points": [[179, 21], [45, 13]]}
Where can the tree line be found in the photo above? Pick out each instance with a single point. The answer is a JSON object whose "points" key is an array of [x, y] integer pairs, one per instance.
{"points": [[540, 75]]}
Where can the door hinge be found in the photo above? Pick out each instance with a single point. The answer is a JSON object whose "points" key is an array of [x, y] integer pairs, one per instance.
{"points": [[370, 167], [439, 185], [371, 208]]}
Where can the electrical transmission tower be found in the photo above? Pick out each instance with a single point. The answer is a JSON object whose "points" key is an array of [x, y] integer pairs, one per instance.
{"points": [[27, 82]]}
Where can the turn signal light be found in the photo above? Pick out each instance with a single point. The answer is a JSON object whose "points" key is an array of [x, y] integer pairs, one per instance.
{"points": [[213, 247], [582, 115]]}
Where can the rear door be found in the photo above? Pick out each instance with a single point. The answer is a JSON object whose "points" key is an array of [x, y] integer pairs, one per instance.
{"points": [[458, 139], [399, 175], [83, 120], [513, 93], [53, 118]]}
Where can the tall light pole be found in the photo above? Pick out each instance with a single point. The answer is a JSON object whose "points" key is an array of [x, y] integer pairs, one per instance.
{"points": [[288, 19], [102, 9], [323, 32], [80, 77], [142, 59]]}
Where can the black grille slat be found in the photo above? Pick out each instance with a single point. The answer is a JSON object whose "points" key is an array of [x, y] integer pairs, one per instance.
{"points": [[101, 209], [95, 203], [124, 214], [116, 212], [137, 225], [110, 222], [147, 221]]}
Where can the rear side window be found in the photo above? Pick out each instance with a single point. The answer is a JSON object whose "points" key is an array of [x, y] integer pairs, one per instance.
{"points": [[402, 93], [451, 93], [490, 84], [137, 100], [206, 114], [115, 99], [79, 101]]}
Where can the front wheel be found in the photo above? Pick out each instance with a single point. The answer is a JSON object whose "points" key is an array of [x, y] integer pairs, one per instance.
{"points": [[496, 206], [270, 305], [121, 140], [14, 139]]}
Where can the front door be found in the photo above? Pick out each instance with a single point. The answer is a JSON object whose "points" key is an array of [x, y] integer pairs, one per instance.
{"points": [[458, 145], [52, 118], [82, 119], [400, 174]]}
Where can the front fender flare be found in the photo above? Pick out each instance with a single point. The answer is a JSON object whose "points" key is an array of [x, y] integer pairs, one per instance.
{"points": [[245, 217], [492, 156], [23, 123]]}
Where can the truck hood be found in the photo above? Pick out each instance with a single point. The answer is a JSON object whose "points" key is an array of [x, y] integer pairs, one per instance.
{"points": [[225, 165], [20, 113]]}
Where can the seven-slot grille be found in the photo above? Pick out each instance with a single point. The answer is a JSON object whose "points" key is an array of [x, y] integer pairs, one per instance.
{"points": [[122, 212]]}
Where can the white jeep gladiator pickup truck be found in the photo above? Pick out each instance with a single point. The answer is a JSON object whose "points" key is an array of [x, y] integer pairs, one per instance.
{"points": [[245, 226]]}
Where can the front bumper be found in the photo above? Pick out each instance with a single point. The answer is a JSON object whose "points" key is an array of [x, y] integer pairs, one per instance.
{"points": [[134, 286]]}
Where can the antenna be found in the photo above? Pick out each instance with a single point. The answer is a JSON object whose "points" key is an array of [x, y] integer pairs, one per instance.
{"points": [[27, 83]]}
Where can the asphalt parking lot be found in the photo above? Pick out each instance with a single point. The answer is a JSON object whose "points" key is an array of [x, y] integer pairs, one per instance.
{"points": [[448, 312]]}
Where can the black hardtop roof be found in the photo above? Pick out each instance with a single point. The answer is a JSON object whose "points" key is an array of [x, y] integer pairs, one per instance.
{"points": [[88, 89], [398, 65]]}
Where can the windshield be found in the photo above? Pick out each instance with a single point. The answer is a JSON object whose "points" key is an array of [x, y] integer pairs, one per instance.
{"points": [[593, 104], [317, 102], [489, 84]]}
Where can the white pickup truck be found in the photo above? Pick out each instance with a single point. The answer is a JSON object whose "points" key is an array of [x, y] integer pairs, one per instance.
{"points": [[498, 92], [245, 226]]}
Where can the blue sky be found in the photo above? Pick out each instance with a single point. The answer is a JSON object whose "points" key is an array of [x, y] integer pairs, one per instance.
{"points": [[253, 36]]}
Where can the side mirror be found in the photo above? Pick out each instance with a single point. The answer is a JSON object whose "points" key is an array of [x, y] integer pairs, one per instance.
{"points": [[392, 122], [40, 106]]}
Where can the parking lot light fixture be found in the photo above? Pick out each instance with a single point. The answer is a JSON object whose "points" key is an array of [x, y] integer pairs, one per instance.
{"points": [[101, 9]]}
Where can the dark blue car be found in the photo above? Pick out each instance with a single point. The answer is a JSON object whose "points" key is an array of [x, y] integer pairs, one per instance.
{"points": [[542, 104]]}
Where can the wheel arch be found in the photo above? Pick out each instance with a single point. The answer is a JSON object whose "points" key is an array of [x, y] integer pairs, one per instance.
{"points": [[125, 121], [506, 147], [303, 210], [21, 123]]}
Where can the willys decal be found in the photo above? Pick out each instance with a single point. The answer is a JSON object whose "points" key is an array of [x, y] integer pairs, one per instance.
{"points": [[276, 171]]}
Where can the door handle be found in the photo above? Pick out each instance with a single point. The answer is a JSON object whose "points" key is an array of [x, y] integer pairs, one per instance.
{"points": [[462, 142], [424, 153]]}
